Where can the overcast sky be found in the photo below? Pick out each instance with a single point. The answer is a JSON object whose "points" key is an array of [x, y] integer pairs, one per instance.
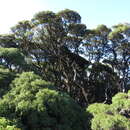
{"points": [[93, 12]]}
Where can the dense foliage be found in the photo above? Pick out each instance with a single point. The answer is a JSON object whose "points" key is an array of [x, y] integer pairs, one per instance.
{"points": [[36, 104], [111, 117], [6, 124], [52, 67], [6, 78]]}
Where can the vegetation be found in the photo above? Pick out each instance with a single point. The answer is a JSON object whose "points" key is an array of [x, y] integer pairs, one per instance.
{"points": [[6, 124], [37, 105], [55, 74], [115, 116]]}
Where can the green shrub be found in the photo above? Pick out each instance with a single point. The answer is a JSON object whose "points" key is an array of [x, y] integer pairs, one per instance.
{"points": [[97, 108], [104, 121], [59, 110], [38, 106], [120, 101], [6, 124], [23, 90], [119, 96], [111, 117]]}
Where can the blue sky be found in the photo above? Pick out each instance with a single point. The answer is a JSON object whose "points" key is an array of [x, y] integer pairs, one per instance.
{"points": [[93, 12]]}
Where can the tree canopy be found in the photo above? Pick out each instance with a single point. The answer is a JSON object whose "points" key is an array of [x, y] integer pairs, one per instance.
{"points": [[56, 74], [114, 116], [38, 106]]}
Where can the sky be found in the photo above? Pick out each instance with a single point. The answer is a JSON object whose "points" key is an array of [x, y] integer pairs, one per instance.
{"points": [[93, 12]]}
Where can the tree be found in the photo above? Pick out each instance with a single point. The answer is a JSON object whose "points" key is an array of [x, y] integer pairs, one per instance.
{"points": [[114, 116], [109, 47], [22, 34], [38, 106], [109, 122], [96, 43], [7, 41], [55, 46], [102, 83], [120, 54], [12, 58], [6, 78]]}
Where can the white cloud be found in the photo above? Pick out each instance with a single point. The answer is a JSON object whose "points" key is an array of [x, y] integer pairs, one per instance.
{"points": [[12, 11]]}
